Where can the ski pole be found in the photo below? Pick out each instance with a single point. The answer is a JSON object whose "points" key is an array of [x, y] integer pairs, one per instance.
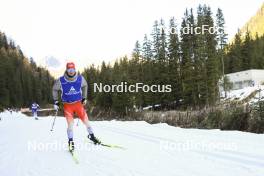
{"points": [[77, 122], [54, 120]]}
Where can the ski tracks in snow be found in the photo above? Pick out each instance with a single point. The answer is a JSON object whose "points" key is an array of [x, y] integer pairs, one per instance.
{"points": [[145, 153], [250, 164]]}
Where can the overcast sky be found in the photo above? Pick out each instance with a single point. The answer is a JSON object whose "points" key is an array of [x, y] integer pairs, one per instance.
{"points": [[88, 32]]}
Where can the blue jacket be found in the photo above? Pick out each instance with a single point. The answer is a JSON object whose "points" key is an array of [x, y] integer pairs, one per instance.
{"points": [[34, 107]]}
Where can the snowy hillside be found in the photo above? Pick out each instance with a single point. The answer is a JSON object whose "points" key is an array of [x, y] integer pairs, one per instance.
{"points": [[29, 148], [242, 94]]}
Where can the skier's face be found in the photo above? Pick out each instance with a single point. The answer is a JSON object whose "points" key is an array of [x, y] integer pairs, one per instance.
{"points": [[71, 71]]}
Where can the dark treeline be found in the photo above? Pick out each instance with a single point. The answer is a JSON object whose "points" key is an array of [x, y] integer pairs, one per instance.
{"points": [[190, 62], [246, 52], [21, 80]]}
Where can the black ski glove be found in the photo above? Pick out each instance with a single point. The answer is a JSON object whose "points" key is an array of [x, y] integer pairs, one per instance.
{"points": [[84, 101]]}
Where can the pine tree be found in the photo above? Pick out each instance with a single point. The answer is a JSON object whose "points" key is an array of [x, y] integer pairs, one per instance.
{"points": [[137, 49], [212, 62], [174, 73], [162, 54], [234, 57], [187, 47], [146, 48], [246, 50], [104, 99], [221, 38], [156, 40], [200, 70]]}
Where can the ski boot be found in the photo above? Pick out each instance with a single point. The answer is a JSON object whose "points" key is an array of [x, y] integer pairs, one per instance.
{"points": [[94, 139], [71, 145]]}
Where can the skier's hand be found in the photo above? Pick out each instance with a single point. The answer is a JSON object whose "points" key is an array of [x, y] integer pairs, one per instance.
{"points": [[84, 101], [56, 105]]}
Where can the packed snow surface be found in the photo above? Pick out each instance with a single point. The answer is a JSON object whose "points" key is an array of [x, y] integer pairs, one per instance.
{"points": [[29, 148]]}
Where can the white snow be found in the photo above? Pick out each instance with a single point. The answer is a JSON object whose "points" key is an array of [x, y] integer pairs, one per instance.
{"points": [[241, 94], [29, 148]]}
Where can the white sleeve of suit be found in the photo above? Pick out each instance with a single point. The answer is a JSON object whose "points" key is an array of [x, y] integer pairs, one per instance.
{"points": [[84, 86], [55, 90]]}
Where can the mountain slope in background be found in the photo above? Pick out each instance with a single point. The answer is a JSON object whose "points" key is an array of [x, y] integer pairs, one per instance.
{"points": [[255, 24], [154, 150]]}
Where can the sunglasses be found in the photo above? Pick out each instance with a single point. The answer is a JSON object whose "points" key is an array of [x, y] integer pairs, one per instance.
{"points": [[71, 70]]}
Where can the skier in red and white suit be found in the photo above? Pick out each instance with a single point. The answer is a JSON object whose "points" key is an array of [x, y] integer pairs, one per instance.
{"points": [[73, 90]]}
